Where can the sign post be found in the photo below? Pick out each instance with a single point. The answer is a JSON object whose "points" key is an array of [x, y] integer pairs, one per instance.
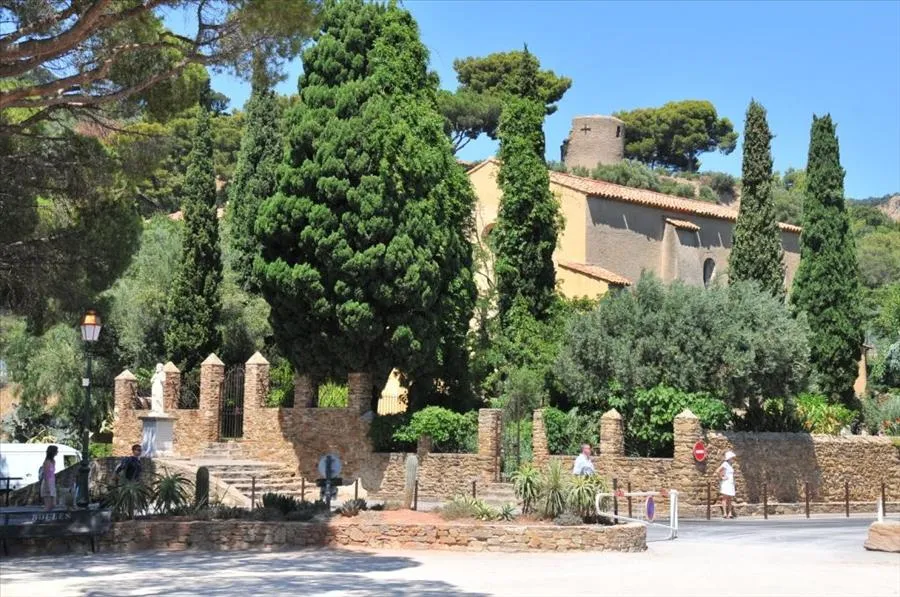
{"points": [[699, 452]]}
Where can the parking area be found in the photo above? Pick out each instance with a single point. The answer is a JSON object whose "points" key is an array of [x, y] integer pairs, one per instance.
{"points": [[820, 557]]}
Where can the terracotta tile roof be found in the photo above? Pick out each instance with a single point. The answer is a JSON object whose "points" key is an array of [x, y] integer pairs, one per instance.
{"points": [[683, 224], [596, 272], [601, 188]]}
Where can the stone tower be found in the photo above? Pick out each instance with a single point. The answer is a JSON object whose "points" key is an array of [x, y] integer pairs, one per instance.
{"points": [[594, 140]]}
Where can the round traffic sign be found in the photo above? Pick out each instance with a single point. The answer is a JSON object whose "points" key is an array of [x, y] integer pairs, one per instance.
{"points": [[650, 508], [699, 452]]}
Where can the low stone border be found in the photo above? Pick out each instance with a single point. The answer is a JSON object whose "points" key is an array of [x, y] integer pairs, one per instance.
{"points": [[228, 535]]}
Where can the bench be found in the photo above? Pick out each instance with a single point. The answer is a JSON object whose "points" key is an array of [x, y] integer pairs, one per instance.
{"points": [[29, 523]]}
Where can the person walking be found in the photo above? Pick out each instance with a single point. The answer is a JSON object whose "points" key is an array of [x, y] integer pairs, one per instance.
{"points": [[583, 464], [131, 466], [47, 476], [726, 484]]}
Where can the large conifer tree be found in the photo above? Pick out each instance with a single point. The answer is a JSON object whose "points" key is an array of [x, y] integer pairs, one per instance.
{"points": [[757, 254], [254, 176], [195, 303], [364, 255], [826, 287], [528, 223]]}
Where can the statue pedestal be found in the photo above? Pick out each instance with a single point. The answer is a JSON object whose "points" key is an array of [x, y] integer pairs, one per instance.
{"points": [[158, 434]]}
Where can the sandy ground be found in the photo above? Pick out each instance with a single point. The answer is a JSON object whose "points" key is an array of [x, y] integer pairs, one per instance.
{"points": [[784, 558]]}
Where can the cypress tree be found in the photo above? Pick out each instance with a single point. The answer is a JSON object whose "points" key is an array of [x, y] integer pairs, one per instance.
{"points": [[254, 176], [757, 254], [363, 251], [826, 287], [528, 223], [195, 303]]}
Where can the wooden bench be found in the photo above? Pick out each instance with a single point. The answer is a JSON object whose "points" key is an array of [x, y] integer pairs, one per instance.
{"points": [[29, 523]]}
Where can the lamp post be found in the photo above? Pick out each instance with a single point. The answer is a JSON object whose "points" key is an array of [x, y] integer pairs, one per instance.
{"points": [[90, 331]]}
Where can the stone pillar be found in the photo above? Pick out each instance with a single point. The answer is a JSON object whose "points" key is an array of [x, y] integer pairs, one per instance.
{"points": [[612, 434], [126, 426], [690, 476], [540, 448], [688, 431], [256, 383], [359, 398], [305, 394], [212, 374], [489, 429], [171, 387], [424, 446]]}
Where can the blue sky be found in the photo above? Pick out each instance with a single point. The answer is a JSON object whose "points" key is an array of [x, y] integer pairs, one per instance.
{"points": [[798, 59]]}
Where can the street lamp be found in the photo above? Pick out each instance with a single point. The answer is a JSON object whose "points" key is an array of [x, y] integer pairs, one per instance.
{"points": [[90, 331]]}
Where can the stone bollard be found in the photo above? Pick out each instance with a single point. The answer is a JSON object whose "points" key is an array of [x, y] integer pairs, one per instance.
{"points": [[540, 447], [212, 375], [612, 434], [489, 429], [171, 387]]}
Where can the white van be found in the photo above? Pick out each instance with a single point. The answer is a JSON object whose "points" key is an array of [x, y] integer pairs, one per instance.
{"points": [[24, 460]]}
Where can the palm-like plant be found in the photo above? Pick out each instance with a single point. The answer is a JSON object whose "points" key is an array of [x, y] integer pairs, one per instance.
{"points": [[129, 498], [527, 485], [582, 493], [553, 494], [171, 492]]}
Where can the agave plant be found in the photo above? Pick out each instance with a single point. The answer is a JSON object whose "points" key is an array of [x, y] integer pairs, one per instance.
{"points": [[553, 493], [527, 485], [581, 494], [172, 492], [507, 512], [129, 498], [484, 512]]}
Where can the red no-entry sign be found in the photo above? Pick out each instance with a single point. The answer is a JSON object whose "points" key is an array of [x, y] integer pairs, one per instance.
{"points": [[699, 452]]}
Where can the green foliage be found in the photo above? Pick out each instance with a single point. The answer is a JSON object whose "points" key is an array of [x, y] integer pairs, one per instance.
{"points": [[352, 507], [676, 133], [553, 491], [707, 194], [567, 431], [365, 259], [498, 74], [283, 503], [101, 450], [517, 444], [523, 391], [506, 513], [629, 173], [736, 343], [281, 384], [201, 488], [818, 415], [773, 414], [723, 184], [195, 301], [469, 115], [649, 418], [527, 485], [461, 506], [757, 254], [128, 499], [826, 287], [581, 494], [449, 431], [254, 177], [172, 492], [887, 373], [382, 431], [881, 415], [333, 395], [529, 219]]}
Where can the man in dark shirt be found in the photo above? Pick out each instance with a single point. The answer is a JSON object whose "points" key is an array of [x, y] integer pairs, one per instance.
{"points": [[131, 465]]}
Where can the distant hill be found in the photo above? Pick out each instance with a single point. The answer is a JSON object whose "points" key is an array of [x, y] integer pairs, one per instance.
{"points": [[890, 207]]}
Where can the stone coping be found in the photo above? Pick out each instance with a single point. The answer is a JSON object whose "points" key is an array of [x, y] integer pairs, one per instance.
{"points": [[230, 535]]}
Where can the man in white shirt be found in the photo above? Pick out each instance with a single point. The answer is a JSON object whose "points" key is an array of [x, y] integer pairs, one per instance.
{"points": [[583, 464]]}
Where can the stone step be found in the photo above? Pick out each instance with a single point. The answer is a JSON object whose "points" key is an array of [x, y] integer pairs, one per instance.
{"points": [[234, 475]]}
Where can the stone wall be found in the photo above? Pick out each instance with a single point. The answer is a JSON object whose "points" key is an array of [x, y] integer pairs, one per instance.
{"points": [[229, 535], [784, 462]]}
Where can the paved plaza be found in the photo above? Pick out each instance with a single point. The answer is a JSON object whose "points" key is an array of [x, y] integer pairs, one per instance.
{"points": [[819, 557]]}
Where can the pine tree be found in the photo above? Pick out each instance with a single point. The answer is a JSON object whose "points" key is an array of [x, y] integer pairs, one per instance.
{"points": [[195, 303], [254, 176], [364, 254], [826, 287], [528, 223], [757, 254]]}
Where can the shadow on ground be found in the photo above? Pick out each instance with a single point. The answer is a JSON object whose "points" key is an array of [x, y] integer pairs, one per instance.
{"points": [[308, 572]]}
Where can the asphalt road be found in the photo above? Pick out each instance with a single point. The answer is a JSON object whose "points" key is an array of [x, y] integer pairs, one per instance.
{"points": [[740, 558]]}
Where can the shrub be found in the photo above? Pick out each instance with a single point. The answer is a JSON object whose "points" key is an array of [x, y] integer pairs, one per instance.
{"points": [[707, 194], [818, 415], [650, 422], [566, 431], [461, 506], [128, 499], [506, 513], [582, 492], [772, 414], [352, 507], [449, 431], [282, 503], [333, 395], [281, 384], [382, 431], [517, 445], [527, 485], [722, 183], [553, 494], [882, 415], [485, 512], [101, 450], [172, 491]]}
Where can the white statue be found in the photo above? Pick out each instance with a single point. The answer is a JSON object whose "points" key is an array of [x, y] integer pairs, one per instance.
{"points": [[156, 390]]}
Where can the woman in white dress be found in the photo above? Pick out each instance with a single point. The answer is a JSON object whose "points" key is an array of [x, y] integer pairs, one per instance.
{"points": [[726, 484]]}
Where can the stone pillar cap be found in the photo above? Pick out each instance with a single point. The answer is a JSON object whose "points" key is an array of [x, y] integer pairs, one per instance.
{"points": [[212, 359], [126, 376], [686, 414], [170, 367], [257, 359], [611, 414]]}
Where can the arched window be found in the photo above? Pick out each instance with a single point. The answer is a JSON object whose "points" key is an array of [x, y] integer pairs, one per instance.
{"points": [[709, 272]]}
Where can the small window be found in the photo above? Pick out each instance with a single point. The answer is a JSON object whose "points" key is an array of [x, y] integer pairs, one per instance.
{"points": [[709, 272], [618, 131]]}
